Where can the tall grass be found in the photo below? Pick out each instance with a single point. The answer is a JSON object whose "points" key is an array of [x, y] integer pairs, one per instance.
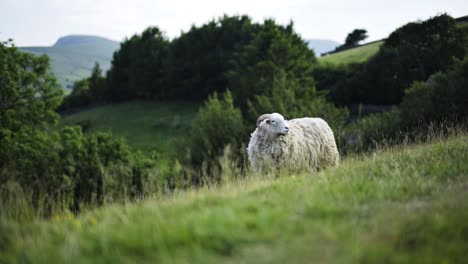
{"points": [[398, 204]]}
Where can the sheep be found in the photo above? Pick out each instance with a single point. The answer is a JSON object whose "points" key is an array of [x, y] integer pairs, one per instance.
{"points": [[295, 145]]}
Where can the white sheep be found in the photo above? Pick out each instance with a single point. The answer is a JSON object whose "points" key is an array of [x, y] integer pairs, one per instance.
{"points": [[294, 145]]}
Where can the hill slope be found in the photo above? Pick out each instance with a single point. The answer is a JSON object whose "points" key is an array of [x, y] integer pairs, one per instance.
{"points": [[404, 205], [73, 57], [145, 125], [354, 55]]}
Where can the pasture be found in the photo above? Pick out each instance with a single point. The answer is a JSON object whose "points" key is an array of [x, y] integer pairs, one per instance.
{"points": [[401, 204]]}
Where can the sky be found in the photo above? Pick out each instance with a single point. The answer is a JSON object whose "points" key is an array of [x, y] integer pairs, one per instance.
{"points": [[42, 22]]}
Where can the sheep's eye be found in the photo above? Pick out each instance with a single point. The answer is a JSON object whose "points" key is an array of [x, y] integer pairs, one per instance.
{"points": [[273, 121]]}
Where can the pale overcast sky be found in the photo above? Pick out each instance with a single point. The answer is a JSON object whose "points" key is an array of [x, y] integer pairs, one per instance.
{"points": [[42, 22]]}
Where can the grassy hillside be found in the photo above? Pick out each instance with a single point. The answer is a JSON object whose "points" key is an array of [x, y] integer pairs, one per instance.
{"points": [[359, 54], [73, 57], [403, 205], [145, 125]]}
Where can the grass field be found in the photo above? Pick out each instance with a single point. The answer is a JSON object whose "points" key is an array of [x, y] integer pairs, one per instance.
{"points": [[356, 55], [145, 125], [402, 205]]}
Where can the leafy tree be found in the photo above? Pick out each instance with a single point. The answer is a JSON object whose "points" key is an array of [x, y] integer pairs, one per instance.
{"points": [[29, 93], [97, 84], [217, 125], [274, 49], [200, 57], [86, 91], [355, 37], [137, 69]]}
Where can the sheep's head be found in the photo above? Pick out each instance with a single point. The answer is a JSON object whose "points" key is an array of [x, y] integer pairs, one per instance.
{"points": [[274, 124]]}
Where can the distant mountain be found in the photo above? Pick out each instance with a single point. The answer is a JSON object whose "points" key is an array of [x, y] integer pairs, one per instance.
{"points": [[73, 57], [322, 45]]}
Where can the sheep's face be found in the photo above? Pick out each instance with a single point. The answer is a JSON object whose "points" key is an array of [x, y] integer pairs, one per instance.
{"points": [[275, 125]]}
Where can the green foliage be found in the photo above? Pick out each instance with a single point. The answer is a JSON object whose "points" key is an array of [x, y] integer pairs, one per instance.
{"points": [[444, 97], [200, 58], [66, 169], [353, 39], [274, 49], [442, 100], [29, 94], [218, 124], [327, 75], [370, 131], [86, 91], [411, 53], [292, 100], [137, 69], [54, 169]]}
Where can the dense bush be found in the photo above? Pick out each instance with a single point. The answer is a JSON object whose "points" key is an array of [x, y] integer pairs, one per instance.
{"points": [[444, 97], [66, 169], [369, 131], [218, 124]]}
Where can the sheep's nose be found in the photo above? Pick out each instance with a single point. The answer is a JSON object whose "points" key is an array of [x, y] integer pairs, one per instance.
{"points": [[287, 128]]}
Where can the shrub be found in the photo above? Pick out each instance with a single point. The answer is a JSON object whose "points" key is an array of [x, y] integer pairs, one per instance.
{"points": [[217, 125], [366, 132], [67, 169], [444, 97]]}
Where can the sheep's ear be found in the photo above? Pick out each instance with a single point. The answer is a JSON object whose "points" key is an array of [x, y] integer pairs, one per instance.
{"points": [[261, 118], [268, 121]]}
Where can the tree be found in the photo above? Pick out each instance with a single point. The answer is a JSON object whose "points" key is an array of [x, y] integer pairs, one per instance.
{"points": [[355, 37], [29, 93], [200, 58], [138, 67], [218, 124], [87, 91], [97, 84], [274, 49]]}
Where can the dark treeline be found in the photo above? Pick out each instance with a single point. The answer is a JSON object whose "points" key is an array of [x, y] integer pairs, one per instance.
{"points": [[190, 67]]}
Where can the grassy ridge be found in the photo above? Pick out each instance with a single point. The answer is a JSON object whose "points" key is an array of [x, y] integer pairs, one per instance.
{"points": [[145, 125], [405, 204], [355, 55]]}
